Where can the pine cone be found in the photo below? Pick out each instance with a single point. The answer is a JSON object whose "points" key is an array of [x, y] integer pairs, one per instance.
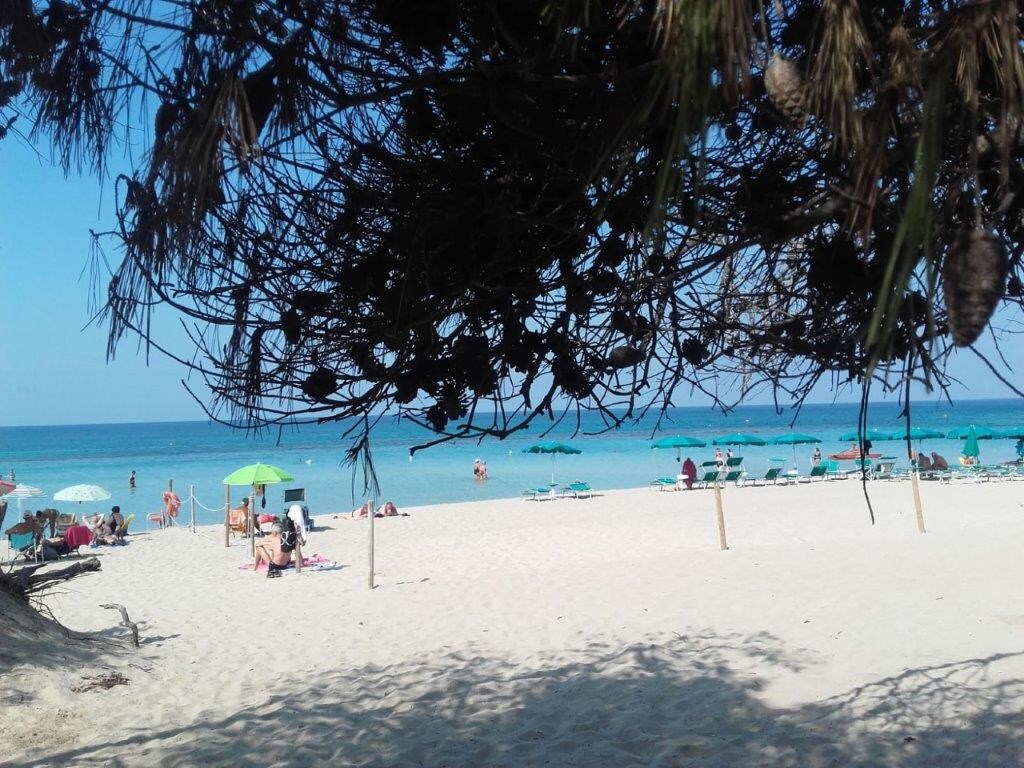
{"points": [[786, 89], [973, 280]]}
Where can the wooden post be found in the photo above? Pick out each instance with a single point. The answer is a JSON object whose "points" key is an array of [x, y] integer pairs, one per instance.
{"points": [[370, 512], [251, 523], [192, 508], [721, 516], [164, 513], [227, 515], [917, 502]]}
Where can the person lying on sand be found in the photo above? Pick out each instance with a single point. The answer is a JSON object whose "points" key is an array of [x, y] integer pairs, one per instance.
{"points": [[270, 552], [387, 509]]}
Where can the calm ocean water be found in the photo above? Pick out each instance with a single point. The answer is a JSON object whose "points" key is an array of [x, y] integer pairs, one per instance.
{"points": [[202, 454]]}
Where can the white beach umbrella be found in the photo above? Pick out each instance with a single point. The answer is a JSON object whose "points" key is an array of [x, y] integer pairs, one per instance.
{"points": [[82, 493], [22, 491]]}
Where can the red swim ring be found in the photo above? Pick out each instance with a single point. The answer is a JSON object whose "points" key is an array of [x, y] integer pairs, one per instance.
{"points": [[171, 503]]}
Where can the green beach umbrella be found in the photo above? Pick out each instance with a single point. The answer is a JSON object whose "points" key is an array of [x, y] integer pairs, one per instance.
{"points": [[257, 474], [794, 439], [678, 442], [554, 449], [738, 438], [980, 433], [971, 444]]}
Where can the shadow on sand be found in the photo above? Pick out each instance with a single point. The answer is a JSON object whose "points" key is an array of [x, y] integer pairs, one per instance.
{"points": [[690, 701]]}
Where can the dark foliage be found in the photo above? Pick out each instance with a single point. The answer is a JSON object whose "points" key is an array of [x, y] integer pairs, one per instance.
{"points": [[449, 208]]}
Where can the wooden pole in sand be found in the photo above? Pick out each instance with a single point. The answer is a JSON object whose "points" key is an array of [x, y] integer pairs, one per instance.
{"points": [[227, 515], [166, 512], [192, 508], [252, 524], [917, 502], [721, 516], [369, 512]]}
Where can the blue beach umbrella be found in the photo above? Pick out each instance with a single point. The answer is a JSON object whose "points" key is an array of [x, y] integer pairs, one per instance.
{"points": [[554, 449], [874, 434], [919, 433]]}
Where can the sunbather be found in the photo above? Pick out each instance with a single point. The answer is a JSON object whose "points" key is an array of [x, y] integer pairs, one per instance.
{"points": [[271, 553], [387, 509], [938, 462]]}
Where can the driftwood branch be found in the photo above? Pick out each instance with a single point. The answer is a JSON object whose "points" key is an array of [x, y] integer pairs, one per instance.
{"points": [[29, 579], [125, 621]]}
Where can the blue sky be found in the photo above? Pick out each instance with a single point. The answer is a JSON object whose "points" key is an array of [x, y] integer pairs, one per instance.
{"points": [[54, 365]]}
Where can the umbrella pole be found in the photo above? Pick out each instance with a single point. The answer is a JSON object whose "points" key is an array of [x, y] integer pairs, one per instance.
{"points": [[370, 513], [192, 508], [552, 470], [227, 515], [918, 511], [721, 516]]}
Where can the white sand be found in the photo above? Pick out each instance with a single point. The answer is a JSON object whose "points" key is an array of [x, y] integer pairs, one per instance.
{"points": [[602, 632]]}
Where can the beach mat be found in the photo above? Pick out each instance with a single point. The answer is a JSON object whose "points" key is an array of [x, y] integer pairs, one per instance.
{"points": [[311, 563]]}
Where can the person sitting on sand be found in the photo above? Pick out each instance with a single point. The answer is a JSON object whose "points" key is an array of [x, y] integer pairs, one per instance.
{"points": [[387, 509], [271, 553]]}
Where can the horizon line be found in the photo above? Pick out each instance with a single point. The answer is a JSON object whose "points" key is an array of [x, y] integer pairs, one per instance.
{"points": [[301, 424]]}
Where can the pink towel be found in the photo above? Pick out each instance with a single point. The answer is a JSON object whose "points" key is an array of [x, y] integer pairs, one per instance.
{"points": [[77, 536]]}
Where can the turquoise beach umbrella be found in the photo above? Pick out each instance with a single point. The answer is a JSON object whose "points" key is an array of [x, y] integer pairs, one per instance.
{"points": [[794, 439], [678, 442], [874, 435], [920, 433], [971, 445], [738, 438], [980, 433], [554, 449]]}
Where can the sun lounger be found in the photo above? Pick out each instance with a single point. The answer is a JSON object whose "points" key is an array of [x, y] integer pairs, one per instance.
{"points": [[816, 473], [663, 484], [710, 477], [578, 490], [538, 494], [771, 476], [64, 521], [734, 476]]}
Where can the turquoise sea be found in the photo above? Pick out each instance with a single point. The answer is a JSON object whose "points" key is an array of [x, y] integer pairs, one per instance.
{"points": [[203, 453]]}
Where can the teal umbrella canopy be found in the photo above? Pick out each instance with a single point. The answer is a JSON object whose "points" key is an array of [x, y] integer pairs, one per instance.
{"points": [[874, 434], [554, 449], [551, 447], [794, 438], [678, 441], [920, 433], [1013, 433], [980, 433], [738, 438], [257, 474], [971, 444]]}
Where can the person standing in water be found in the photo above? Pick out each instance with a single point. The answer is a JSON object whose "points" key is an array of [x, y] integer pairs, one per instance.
{"points": [[131, 480]]}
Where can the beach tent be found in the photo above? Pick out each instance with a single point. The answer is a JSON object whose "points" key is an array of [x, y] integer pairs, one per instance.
{"points": [[554, 449]]}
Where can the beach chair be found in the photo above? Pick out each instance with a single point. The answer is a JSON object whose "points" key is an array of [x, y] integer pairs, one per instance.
{"points": [[238, 521], [578, 490], [817, 473], [883, 468], [736, 462], [734, 476], [538, 494], [771, 476], [663, 484], [832, 470], [122, 529], [21, 539], [298, 496], [64, 521], [709, 476]]}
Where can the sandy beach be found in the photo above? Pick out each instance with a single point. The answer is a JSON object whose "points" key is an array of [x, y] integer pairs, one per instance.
{"points": [[590, 632]]}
